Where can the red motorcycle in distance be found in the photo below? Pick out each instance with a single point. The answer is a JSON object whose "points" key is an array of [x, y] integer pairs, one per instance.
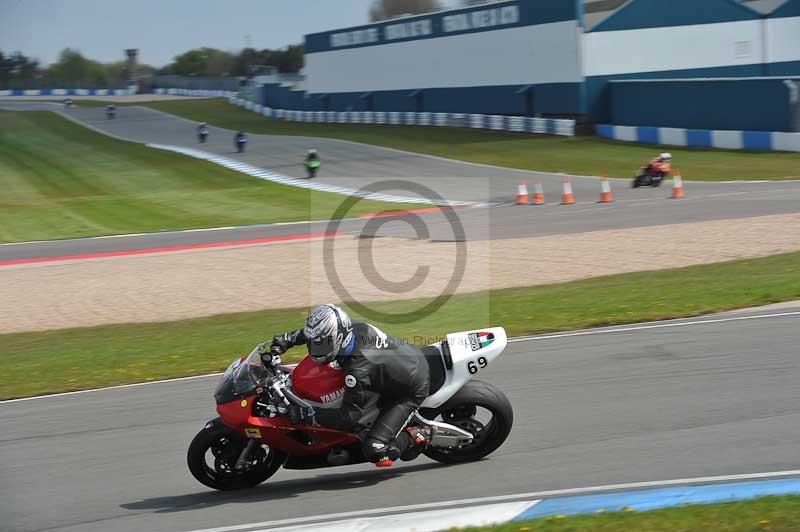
{"points": [[653, 174], [266, 414]]}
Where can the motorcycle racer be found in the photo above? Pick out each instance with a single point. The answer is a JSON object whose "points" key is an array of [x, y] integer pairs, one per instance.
{"points": [[660, 165], [385, 382], [313, 163], [240, 140], [202, 132]]}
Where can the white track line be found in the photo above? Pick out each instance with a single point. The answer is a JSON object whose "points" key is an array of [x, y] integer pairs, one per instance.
{"points": [[134, 385], [588, 332], [503, 498], [650, 325]]}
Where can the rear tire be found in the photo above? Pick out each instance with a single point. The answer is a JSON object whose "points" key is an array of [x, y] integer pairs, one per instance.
{"points": [[490, 437], [225, 446]]}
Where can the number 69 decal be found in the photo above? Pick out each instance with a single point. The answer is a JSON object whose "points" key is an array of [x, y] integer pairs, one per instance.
{"points": [[474, 368]]}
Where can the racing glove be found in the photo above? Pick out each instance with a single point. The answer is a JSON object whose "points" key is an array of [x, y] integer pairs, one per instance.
{"points": [[281, 343]]}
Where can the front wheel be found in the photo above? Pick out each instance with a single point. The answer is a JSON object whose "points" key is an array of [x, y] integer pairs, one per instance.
{"points": [[213, 453], [481, 409]]}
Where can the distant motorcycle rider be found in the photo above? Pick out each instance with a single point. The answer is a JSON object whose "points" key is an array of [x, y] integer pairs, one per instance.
{"points": [[202, 132], [654, 172], [313, 163], [385, 382], [240, 140], [661, 165], [111, 111]]}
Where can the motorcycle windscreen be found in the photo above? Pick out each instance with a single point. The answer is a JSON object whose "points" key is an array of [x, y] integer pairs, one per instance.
{"points": [[241, 378]]}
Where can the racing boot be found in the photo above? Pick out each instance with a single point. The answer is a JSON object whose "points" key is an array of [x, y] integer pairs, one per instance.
{"points": [[386, 453]]}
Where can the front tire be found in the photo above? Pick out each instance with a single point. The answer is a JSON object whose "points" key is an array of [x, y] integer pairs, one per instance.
{"points": [[221, 446], [460, 411]]}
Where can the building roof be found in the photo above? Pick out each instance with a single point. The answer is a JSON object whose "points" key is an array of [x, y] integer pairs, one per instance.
{"points": [[765, 7], [595, 11]]}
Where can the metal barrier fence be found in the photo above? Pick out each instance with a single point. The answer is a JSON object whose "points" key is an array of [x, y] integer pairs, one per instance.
{"points": [[703, 138], [521, 124], [67, 92], [207, 93]]}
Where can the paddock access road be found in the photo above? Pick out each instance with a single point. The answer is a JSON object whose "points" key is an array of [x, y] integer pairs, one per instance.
{"points": [[650, 403]]}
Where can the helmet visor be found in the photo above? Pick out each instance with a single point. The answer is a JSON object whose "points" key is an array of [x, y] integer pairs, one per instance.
{"points": [[321, 347]]}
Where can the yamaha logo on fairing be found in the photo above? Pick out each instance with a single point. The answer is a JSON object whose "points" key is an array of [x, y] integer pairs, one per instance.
{"points": [[331, 397]]}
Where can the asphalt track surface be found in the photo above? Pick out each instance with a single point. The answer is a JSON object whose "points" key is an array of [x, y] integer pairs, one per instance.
{"points": [[357, 165], [648, 404]]}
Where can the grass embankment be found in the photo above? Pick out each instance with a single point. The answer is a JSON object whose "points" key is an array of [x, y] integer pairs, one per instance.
{"points": [[61, 180], [768, 514], [576, 155], [54, 361]]}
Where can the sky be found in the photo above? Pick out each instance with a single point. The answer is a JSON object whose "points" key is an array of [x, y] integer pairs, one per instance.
{"points": [[162, 29]]}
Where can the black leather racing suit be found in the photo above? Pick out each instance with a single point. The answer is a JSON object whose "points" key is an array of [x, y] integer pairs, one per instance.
{"points": [[385, 382]]}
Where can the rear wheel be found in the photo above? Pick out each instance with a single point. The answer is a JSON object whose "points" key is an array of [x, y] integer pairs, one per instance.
{"points": [[213, 454], [480, 409]]}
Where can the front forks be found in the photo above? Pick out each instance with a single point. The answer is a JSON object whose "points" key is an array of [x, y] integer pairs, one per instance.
{"points": [[248, 449]]}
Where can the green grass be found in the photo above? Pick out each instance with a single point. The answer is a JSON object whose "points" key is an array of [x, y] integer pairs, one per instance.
{"points": [[576, 155], [61, 180], [767, 514], [54, 361]]}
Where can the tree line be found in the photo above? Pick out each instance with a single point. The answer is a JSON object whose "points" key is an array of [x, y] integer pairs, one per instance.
{"points": [[73, 70]]}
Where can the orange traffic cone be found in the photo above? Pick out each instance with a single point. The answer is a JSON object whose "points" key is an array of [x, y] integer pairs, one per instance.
{"points": [[605, 194], [567, 198], [522, 193], [677, 186], [538, 193]]}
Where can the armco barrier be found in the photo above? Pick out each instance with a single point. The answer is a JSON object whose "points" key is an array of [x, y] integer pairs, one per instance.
{"points": [[703, 138], [114, 92], [67, 92], [196, 92], [521, 124]]}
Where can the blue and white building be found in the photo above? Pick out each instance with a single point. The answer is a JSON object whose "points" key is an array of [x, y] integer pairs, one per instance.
{"points": [[677, 63]]}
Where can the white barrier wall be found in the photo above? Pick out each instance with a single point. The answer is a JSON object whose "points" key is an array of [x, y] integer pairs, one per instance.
{"points": [[508, 43], [546, 53], [674, 48], [783, 38]]}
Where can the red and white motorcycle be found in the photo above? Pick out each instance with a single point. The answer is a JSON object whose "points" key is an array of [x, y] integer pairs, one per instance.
{"points": [[264, 425]]}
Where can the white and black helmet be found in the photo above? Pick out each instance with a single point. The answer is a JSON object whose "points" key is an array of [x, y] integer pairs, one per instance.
{"points": [[328, 329]]}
